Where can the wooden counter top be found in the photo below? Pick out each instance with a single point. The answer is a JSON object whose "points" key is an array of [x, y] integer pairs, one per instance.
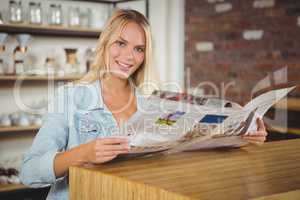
{"points": [[271, 170]]}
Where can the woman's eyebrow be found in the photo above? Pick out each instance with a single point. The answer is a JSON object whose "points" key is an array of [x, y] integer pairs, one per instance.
{"points": [[123, 40], [141, 46]]}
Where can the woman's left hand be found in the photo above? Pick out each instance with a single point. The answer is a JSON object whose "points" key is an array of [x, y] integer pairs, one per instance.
{"points": [[258, 137]]}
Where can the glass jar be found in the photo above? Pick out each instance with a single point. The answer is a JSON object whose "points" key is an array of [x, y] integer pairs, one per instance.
{"points": [[72, 65], [19, 67], [35, 13], [74, 17], [2, 67], [1, 19], [90, 56], [55, 15], [15, 12], [85, 17]]}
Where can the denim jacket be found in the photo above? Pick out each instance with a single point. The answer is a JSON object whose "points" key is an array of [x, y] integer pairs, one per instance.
{"points": [[76, 115]]}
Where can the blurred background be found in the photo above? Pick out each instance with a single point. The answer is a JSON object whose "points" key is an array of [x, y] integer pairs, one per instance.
{"points": [[229, 49]]}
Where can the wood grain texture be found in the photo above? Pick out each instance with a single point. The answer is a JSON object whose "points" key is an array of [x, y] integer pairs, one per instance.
{"points": [[39, 78], [282, 196], [4, 129], [10, 187], [249, 172]]}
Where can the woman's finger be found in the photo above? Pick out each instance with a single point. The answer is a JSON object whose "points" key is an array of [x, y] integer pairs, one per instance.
{"points": [[260, 125], [257, 133], [105, 159], [112, 140], [122, 147], [113, 153], [255, 139], [256, 142]]}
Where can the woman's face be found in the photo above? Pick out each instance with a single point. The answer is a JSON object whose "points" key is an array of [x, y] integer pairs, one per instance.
{"points": [[127, 53]]}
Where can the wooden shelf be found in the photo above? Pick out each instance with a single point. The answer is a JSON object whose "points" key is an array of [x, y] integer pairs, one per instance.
{"points": [[289, 104], [39, 78], [18, 128], [281, 129], [49, 30], [10, 187]]}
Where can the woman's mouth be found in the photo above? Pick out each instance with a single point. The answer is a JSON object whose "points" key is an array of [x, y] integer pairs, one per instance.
{"points": [[124, 66]]}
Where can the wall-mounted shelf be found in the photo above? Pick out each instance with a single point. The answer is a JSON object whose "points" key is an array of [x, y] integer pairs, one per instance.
{"points": [[281, 129], [18, 128], [10, 187], [39, 78], [289, 104], [49, 30]]}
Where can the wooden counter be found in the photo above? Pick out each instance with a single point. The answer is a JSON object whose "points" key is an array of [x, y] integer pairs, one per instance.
{"points": [[271, 171]]}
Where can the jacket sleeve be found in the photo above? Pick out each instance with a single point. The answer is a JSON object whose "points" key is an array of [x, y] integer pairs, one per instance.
{"points": [[37, 166]]}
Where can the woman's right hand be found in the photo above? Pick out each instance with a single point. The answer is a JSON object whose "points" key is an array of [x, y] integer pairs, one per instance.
{"points": [[102, 150], [97, 151]]}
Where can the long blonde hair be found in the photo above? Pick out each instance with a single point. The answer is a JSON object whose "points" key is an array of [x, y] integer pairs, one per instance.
{"points": [[111, 32]]}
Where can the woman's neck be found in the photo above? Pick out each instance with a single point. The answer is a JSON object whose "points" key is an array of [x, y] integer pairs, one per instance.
{"points": [[115, 84]]}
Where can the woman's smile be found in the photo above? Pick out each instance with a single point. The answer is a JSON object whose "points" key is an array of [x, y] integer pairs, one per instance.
{"points": [[124, 66]]}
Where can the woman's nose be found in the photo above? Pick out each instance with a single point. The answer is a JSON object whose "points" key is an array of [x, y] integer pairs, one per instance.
{"points": [[128, 53]]}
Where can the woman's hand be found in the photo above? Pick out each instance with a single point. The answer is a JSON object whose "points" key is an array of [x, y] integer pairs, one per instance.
{"points": [[97, 151], [258, 137], [102, 150]]}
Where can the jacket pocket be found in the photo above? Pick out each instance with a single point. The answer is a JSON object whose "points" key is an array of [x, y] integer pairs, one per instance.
{"points": [[87, 127], [93, 123]]}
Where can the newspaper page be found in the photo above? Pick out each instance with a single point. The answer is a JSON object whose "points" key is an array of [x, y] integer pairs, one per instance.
{"points": [[239, 123], [169, 126]]}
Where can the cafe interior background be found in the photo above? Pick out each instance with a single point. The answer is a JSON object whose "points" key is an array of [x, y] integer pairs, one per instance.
{"points": [[238, 46]]}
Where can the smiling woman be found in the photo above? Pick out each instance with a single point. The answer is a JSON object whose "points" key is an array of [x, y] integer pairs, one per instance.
{"points": [[86, 115]]}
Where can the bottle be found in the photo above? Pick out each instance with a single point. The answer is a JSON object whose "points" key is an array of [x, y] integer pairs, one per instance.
{"points": [[55, 15], [15, 12], [74, 17], [35, 13], [85, 17]]}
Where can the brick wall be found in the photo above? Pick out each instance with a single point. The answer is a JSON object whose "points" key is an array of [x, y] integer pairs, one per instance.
{"points": [[241, 42]]}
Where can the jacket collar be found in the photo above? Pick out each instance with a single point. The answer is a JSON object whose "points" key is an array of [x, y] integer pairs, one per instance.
{"points": [[90, 96]]}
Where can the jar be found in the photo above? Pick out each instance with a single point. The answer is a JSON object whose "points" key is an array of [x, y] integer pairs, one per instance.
{"points": [[90, 56], [1, 19], [74, 17], [35, 13], [55, 15], [98, 18], [19, 67], [2, 67], [85, 17], [15, 12], [72, 65]]}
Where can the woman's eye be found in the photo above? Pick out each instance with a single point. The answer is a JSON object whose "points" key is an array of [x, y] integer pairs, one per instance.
{"points": [[139, 49], [120, 43]]}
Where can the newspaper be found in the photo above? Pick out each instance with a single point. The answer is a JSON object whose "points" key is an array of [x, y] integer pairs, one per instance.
{"points": [[171, 122]]}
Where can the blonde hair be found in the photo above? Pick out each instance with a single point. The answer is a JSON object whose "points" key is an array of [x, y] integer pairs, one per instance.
{"points": [[111, 32]]}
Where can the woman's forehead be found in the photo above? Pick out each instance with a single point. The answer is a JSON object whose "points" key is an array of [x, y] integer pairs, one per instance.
{"points": [[134, 33]]}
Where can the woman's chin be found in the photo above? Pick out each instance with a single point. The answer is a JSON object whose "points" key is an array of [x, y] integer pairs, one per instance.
{"points": [[121, 75]]}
